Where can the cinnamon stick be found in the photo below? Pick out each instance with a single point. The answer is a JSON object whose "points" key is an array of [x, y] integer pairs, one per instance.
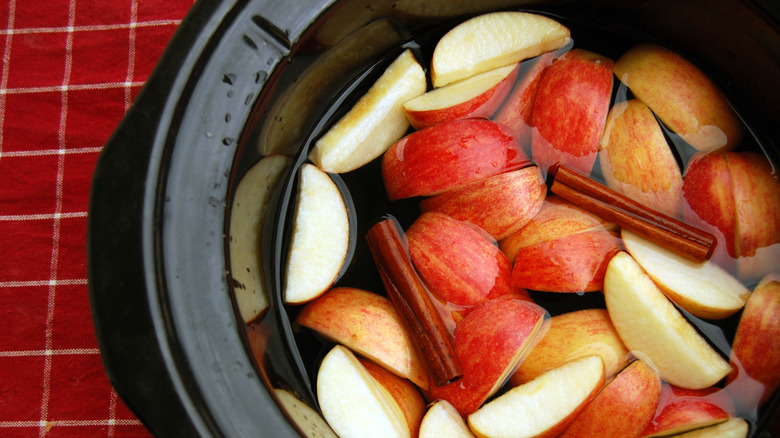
{"points": [[410, 298], [686, 240]]}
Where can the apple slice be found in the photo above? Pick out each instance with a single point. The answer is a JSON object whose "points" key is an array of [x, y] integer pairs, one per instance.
{"points": [[756, 347], [368, 324], [573, 335], [682, 96], [543, 407], [489, 343], [405, 394], [570, 111], [320, 237], [623, 408], [654, 329], [704, 289], [493, 40], [636, 159], [500, 205], [247, 221], [477, 96], [732, 428], [443, 420], [448, 155], [682, 410], [375, 122], [309, 421], [353, 401]]}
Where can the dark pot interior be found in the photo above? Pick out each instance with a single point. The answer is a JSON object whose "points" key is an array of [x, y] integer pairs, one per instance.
{"points": [[167, 326]]}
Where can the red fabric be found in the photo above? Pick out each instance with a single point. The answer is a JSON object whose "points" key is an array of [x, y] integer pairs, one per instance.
{"points": [[68, 71]]}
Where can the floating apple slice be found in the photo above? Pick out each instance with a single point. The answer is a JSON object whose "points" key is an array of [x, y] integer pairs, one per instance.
{"points": [[543, 407], [573, 335], [732, 428], [682, 96], [405, 394], [310, 422], [375, 122], [493, 40], [443, 420], [704, 289], [368, 324], [477, 96], [247, 218], [623, 408], [681, 410], [654, 329], [320, 237], [353, 401]]}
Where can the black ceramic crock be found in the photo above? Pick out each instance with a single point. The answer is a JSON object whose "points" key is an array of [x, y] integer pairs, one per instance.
{"points": [[170, 338]]}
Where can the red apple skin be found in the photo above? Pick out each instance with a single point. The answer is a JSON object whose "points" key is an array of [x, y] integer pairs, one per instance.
{"points": [[572, 263], [459, 261], [735, 196], [570, 111], [680, 410], [517, 111], [489, 343], [755, 352], [433, 160], [500, 205], [408, 397], [623, 408], [483, 105]]}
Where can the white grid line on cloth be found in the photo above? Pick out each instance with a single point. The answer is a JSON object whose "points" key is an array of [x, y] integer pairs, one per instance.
{"points": [[62, 352], [6, 67], [62, 143], [46, 425], [45, 152], [9, 30], [131, 53], [64, 87], [39, 283]]}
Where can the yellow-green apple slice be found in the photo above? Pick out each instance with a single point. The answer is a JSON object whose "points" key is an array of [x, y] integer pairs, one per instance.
{"points": [[623, 408], [682, 96], [734, 427], [500, 205], [704, 289], [299, 105], [375, 122], [309, 421], [517, 110], [405, 394], [448, 155], [755, 351], [493, 40], [654, 329], [570, 111], [720, 190], [368, 324], [489, 343], [353, 401], [320, 237], [477, 96], [557, 217], [459, 261], [247, 219], [573, 335], [682, 410], [543, 407], [636, 160], [443, 420]]}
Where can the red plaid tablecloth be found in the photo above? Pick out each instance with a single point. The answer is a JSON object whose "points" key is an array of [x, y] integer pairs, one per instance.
{"points": [[68, 72]]}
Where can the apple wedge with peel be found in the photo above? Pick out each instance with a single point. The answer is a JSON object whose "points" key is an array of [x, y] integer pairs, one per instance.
{"points": [[623, 408], [493, 40], [682, 410], [475, 97], [375, 122], [443, 420], [734, 427], [353, 402], [405, 394], [580, 333], [654, 330], [320, 237], [247, 222], [368, 324], [307, 419], [543, 407], [704, 289]]}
